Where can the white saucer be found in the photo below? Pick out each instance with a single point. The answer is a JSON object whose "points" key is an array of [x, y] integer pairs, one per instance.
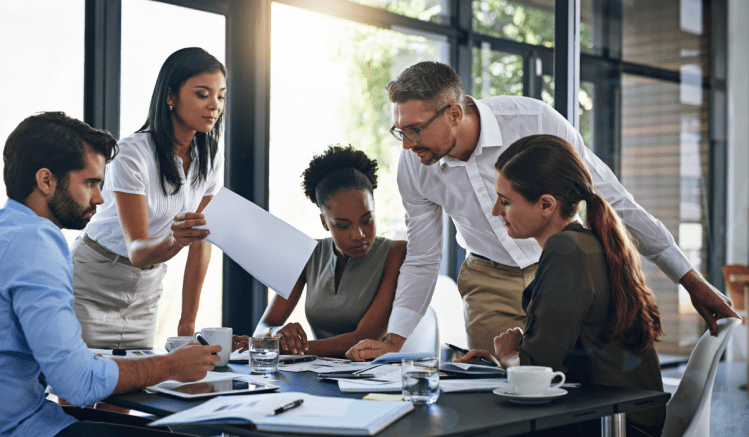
{"points": [[553, 393]]}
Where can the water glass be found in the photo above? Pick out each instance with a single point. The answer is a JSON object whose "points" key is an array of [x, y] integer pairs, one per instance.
{"points": [[263, 354], [421, 380]]}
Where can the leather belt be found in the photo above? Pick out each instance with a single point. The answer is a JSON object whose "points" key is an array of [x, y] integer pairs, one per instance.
{"points": [[479, 256], [103, 251]]}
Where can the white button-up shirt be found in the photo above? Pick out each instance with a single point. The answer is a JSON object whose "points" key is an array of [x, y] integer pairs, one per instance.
{"points": [[465, 190]]}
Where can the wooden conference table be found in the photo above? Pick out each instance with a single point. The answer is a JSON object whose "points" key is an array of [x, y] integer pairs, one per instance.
{"points": [[454, 414]]}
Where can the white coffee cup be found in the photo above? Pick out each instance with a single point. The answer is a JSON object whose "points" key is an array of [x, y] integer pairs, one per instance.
{"points": [[220, 336], [175, 342], [532, 380]]}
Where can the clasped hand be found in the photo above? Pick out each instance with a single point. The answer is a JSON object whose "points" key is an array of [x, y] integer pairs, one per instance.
{"points": [[506, 348], [182, 228]]}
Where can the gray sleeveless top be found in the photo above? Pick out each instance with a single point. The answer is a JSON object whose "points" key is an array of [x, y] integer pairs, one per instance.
{"points": [[330, 313]]}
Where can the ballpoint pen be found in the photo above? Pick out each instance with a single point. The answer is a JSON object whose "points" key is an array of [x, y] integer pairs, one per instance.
{"points": [[465, 351], [287, 407], [346, 375]]}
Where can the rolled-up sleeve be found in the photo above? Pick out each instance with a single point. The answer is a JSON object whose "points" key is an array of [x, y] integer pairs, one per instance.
{"points": [[420, 269], [42, 299], [654, 240]]}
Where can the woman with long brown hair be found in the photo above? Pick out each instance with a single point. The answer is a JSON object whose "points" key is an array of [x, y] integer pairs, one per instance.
{"points": [[589, 312]]}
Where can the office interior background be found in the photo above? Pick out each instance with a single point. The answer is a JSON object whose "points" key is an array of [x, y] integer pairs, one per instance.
{"points": [[657, 88]]}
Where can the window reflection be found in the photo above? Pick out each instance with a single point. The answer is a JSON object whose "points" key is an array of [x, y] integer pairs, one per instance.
{"points": [[664, 166]]}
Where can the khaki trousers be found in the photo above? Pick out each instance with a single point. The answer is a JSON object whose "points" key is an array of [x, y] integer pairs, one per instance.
{"points": [[492, 299]]}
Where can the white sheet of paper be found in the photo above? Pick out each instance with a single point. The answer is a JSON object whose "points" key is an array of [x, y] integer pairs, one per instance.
{"points": [[265, 246]]}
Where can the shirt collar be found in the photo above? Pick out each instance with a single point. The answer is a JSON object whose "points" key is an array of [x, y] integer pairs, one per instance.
{"points": [[20, 207], [489, 134]]}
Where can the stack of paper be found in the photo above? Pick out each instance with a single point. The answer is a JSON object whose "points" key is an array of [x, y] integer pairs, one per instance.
{"points": [[315, 415]]}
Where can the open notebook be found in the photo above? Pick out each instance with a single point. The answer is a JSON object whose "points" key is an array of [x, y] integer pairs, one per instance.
{"points": [[315, 415]]}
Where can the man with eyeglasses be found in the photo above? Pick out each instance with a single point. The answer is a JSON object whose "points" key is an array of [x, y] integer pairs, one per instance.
{"points": [[456, 140]]}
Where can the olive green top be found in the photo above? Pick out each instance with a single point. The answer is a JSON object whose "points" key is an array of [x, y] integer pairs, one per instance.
{"points": [[568, 306], [332, 312]]}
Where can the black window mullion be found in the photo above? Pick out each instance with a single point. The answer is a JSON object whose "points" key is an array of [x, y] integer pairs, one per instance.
{"points": [[101, 84]]}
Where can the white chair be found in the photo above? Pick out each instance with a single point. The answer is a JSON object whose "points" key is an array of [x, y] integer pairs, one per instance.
{"points": [[448, 305], [425, 337], [688, 411]]}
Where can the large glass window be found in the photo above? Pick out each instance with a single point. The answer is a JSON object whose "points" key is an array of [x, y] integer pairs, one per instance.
{"points": [[667, 34], [329, 88], [43, 43], [664, 166], [427, 10], [528, 21], [496, 73], [147, 41]]}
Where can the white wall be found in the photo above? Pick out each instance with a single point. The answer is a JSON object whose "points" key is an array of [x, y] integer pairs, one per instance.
{"points": [[738, 133]]}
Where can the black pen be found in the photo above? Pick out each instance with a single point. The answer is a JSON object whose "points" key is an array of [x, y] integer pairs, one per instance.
{"points": [[204, 342], [346, 375], [287, 407], [465, 351]]}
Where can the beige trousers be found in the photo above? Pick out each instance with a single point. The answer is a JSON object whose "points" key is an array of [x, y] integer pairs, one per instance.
{"points": [[116, 304], [492, 299]]}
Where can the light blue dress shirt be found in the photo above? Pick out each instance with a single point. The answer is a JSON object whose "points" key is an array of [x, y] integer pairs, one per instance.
{"points": [[39, 330]]}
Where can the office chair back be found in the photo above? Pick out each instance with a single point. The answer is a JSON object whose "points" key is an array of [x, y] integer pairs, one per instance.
{"points": [[688, 411], [425, 337]]}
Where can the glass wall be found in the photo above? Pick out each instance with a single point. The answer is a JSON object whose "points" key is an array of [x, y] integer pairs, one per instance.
{"points": [[528, 21], [329, 88], [42, 49], [143, 24], [665, 142]]}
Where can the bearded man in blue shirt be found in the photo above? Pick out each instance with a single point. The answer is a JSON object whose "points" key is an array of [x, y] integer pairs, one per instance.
{"points": [[53, 167]]}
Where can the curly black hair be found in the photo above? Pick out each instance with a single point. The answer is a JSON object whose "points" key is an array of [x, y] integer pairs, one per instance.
{"points": [[337, 169]]}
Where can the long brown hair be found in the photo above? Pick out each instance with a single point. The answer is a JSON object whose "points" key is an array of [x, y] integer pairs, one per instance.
{"points": [[546, 164]]}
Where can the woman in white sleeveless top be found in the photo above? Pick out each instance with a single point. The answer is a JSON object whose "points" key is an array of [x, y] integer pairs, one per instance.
{"points": [[154, 191], [351, 277]]}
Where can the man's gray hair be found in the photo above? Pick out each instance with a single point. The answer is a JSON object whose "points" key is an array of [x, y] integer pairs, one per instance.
{"points": [[431, 82]]}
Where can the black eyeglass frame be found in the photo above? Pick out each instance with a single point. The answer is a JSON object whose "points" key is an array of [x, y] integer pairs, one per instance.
{"points": [[416, 131]]}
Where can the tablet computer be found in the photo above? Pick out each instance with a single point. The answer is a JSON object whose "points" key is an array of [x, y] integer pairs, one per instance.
{"points": [[212, 388]]}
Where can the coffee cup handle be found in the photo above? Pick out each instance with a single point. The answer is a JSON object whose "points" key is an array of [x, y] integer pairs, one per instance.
{"points": [[559, 384]]}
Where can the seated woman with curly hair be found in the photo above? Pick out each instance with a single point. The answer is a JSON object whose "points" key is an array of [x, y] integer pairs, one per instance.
{"points": [[351, 276], [589, 312]]}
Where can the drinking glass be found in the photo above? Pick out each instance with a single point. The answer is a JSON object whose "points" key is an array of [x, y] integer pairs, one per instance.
{"points": [[421, 380], [263, 354]]}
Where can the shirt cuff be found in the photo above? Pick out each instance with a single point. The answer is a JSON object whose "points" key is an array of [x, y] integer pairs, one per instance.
{"points": [[403, 321], [673, 263]]}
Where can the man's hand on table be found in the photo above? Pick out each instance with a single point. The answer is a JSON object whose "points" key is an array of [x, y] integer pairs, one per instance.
{"points": [[710, 303], [371, 349]]}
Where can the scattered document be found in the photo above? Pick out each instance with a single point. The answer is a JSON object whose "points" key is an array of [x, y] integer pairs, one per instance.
{"points": [[315, 415], [268, 248]]}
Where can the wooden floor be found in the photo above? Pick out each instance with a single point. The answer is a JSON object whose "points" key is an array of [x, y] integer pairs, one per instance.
{"points": [[729, 412]]}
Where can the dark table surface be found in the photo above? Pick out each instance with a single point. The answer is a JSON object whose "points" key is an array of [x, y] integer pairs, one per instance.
{"points": [[452, 414]]}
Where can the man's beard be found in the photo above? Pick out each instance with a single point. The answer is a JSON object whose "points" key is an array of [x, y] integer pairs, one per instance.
{"points": [[437, 158], [68, 213]]}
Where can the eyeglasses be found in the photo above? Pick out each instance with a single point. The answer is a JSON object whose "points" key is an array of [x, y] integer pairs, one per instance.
{"points": [[414, 134]]}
